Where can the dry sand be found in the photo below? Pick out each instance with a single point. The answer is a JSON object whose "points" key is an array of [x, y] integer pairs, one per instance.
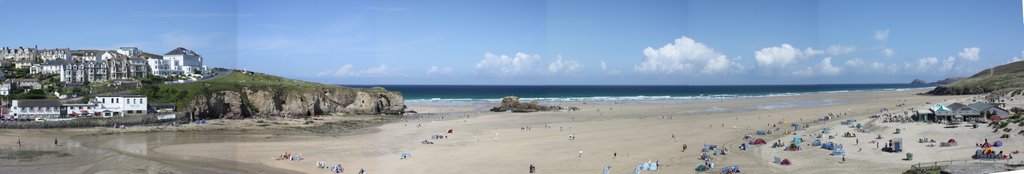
{"points": [[485, 142]]}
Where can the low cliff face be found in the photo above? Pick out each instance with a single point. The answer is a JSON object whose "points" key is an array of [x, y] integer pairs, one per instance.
{"points": [[247, 103]]}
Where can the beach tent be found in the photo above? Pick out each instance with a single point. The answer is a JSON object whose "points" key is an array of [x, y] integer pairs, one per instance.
{"points": [[816, 143], [828, 145], [793, 147], [761, 132], [838, 151], [798, 140], [653, 166], [730, 169], [794, 125], [777, 160], [701, 168], [997, 144], [645, 166], [405, 155], [858, 126], [898, 144], [799, 128], [744, 147], [949, 143], [826, 131], [758, 141], [785, 162], [710, 147], [607, 168]]}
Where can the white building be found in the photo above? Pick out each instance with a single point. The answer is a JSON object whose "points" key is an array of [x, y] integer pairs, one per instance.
{"points": [[124, 104], [50, 67], [161, 67], [184, 60], [131, 52], [32, 109], [5, 88], [107, 55]]}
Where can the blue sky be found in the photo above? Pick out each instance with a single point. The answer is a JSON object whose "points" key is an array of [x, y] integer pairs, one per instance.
{"points": [[534, 42]]}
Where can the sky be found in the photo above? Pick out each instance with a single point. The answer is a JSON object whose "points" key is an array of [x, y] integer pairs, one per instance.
{"points": [[536, 42]]}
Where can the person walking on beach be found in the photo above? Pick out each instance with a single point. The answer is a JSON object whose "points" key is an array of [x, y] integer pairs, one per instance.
{"points": [[616, 154], [533, 169], [54, 141], [581, 153]]}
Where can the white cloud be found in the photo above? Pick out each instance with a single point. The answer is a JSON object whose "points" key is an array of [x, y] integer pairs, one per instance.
{"points": [[347, 70], [840, 49], [686, 56], [344, 70], [604, 68], [882, 35], [780, 56], [824, 68], [1017, 59], [972, 54], [888, 52], [854, 62], [502, 65], [439, 70], [560, 66], [932, 65]]}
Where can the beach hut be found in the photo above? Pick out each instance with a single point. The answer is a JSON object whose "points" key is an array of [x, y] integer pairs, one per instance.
{"points": [[758, 141], [785, 162], [997, 144]]}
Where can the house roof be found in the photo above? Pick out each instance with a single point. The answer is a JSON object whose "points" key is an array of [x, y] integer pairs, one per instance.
{"points": [[979, 106], [180, 51], [956, 106], [39, 103], [55, 62]]}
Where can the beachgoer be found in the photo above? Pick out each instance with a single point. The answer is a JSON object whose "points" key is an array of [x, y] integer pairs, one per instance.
{"points": [[581, 153], [533, 169], [54, 141], [19, 141], [616, 154], [362, 171]]}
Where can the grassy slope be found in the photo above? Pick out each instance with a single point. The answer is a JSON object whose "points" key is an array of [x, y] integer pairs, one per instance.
{"points": [[235, 81], [1004, 78]]}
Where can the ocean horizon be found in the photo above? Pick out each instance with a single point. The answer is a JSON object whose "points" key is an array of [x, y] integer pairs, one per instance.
{"points": [[556, 93]]}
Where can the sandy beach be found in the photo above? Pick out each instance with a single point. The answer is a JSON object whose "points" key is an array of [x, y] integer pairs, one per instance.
{"points": [[621, 135]]}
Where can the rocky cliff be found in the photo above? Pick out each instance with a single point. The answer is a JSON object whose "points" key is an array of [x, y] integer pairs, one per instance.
{"points": [[249, 102]]}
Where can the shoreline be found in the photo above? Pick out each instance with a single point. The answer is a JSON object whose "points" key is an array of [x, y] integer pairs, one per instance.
{"points": [[602, 128]]}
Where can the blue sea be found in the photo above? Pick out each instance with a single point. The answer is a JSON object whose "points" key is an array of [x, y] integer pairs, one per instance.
{"points": [[471, 93]]}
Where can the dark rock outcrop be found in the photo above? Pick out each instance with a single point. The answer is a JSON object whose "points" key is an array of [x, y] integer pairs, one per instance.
{"points": [[511, 103], [918, 82], [247, 103]]}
